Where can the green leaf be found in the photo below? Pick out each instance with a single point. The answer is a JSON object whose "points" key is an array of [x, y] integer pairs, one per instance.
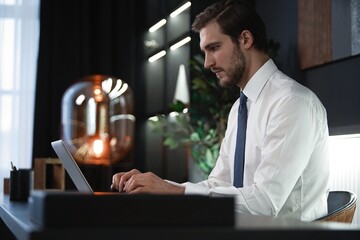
{"points": [[194, 137], [177, 106], [171, 143]]}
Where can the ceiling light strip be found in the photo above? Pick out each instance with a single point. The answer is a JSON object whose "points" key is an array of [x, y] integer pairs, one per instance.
{"points": [[180, 9], [157, 56], [180, 43], [158, 25]]}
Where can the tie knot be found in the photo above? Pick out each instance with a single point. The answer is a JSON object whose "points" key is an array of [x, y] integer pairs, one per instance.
{"points": [[243, 99]]}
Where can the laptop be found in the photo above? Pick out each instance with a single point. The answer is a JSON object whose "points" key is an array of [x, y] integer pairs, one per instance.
{"points": [[71, 166]]}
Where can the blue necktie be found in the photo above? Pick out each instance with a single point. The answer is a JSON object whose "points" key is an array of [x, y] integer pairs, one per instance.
{"points": [[240, 142]]}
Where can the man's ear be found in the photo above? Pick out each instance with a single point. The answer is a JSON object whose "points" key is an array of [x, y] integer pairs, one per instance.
{"points": [[246, 39]]}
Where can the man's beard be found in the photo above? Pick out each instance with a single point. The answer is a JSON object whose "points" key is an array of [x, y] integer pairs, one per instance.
{"points": [[235, 72]]}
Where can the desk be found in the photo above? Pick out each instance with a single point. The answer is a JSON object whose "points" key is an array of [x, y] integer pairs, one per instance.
{"points": [[16, 217]]}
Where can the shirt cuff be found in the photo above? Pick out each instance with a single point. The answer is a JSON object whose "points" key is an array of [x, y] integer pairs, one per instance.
{"points": [[192, 188]]}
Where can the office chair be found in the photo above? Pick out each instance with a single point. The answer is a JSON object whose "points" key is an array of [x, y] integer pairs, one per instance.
{"points": [[341, 207]]}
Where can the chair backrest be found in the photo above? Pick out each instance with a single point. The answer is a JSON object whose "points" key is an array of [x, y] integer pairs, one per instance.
{"points": [[341, 207]]}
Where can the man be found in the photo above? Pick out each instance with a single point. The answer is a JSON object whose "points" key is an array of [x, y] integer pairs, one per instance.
{"points": [[286, 168]]}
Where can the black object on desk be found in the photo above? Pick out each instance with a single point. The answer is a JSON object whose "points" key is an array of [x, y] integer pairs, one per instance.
{"points": [[64, 209], [21, 183]]}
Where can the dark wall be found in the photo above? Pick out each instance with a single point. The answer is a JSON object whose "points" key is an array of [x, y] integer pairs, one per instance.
{"points": [[157, 82], [337, 84], [280, 17]]}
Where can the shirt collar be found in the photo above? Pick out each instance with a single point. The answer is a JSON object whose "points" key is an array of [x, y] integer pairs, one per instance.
{"points": [[257, 82]]}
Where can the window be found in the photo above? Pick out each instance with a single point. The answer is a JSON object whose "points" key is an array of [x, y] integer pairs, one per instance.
{"points": [[19, 40]]}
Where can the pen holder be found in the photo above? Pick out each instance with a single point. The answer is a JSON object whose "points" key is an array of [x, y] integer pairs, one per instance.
{"points": [[21, 183]]}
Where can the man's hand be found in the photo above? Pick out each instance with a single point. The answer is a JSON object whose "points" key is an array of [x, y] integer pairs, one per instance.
{"points": [[136, 182]]}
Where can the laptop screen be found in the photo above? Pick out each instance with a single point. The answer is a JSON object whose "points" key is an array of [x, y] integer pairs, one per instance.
{"points": [[71, 166]]}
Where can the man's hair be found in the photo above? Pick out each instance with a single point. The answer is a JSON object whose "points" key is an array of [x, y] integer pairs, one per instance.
{"points": [[233, 17]]}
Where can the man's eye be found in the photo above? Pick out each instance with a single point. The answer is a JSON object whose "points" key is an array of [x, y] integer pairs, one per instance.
{"points": [[214, 48]]}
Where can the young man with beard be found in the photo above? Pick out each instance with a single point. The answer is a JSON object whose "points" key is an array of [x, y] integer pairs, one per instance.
{"points": [[286, 169]]}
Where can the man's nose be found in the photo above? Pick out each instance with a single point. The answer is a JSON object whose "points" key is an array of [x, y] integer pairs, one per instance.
{"points": [[209, 61]]}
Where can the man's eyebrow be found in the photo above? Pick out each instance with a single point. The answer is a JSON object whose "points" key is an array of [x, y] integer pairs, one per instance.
{"points": [[209, 45]]}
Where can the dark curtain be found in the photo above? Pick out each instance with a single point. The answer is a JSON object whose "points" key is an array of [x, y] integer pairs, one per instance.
{"points": [[79, 38]]}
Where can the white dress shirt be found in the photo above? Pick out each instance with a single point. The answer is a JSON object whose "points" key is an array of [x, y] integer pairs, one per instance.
{"points": [[286, 168]]}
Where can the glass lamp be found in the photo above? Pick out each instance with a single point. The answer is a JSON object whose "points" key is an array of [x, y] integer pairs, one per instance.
{"points": [[97, 119]]}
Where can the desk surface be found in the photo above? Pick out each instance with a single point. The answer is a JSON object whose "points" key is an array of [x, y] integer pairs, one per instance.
{"points": [[16, 216]]}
